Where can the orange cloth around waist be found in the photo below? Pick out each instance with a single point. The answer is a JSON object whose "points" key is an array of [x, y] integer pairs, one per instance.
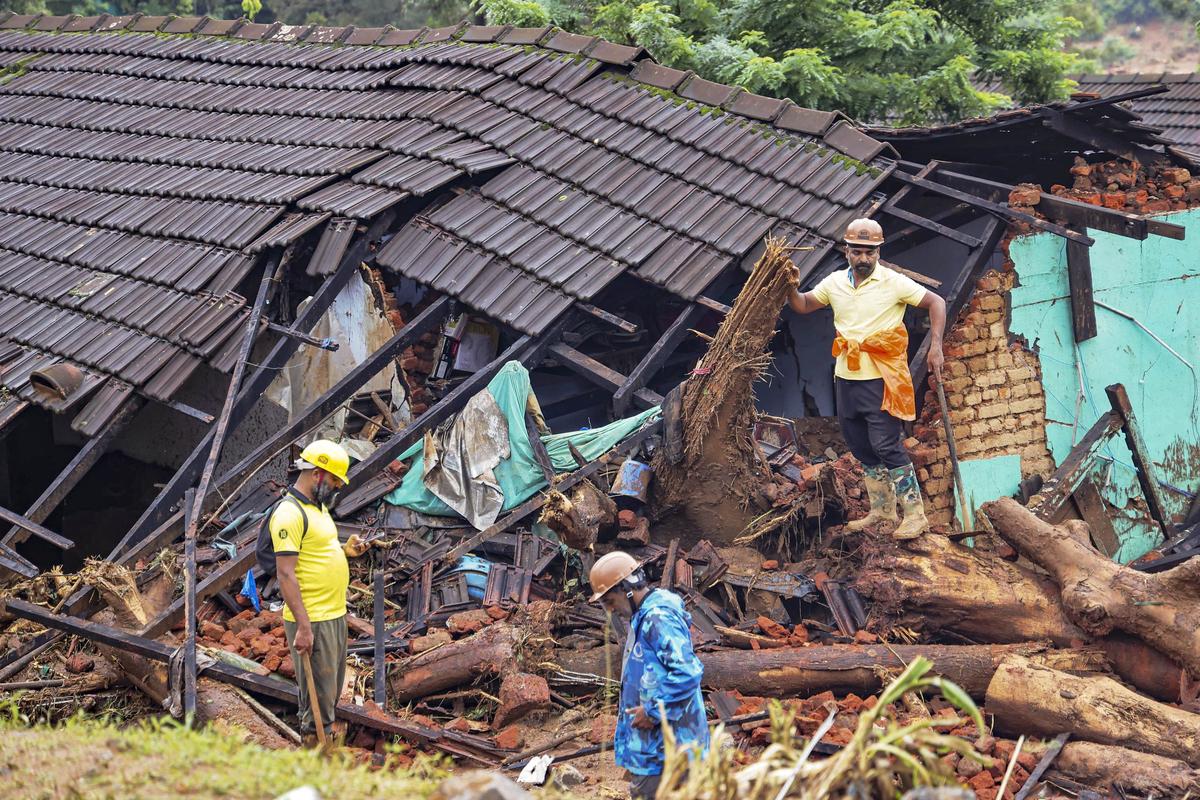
{"points": [[888, 350]]}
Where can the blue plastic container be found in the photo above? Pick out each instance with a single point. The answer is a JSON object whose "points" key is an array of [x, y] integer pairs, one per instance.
{"points": [[476, 570]]}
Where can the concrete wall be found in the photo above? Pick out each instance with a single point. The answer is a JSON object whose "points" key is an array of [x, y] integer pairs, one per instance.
{"points": [[1155, 281]]}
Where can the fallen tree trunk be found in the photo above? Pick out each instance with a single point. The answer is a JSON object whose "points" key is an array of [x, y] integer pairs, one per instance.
{"points": [[1108, 767], [934, 584], [1100, 595], [710, 487], [842, 668], [129, 609], [1028, 698], [499, 649]]}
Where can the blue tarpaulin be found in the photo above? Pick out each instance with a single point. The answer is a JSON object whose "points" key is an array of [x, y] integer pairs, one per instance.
{"points": [[519, 475]]}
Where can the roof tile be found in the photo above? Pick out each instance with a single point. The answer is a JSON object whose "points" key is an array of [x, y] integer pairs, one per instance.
{"points": [[708, 92], [853, 142], [400, 37], [484, 33], [806, 120], [661, 77], [524, 35], [565, 42], [81, 24], [756, 106], [221, 27], [53, 23], [184, 25], [611, 53], [254, 31], [365, 36], [148, 24]]}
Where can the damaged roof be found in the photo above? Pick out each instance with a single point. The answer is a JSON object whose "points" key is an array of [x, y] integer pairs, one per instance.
{"points": [[151, 171], [1176, 111]]}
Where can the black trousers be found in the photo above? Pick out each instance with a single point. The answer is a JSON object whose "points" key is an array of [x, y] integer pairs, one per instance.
{"points": [[873, 435], [643, 787]]}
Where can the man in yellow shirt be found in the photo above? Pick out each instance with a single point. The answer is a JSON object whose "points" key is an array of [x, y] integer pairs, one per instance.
{"points": [[873, 385], [313, 577]]}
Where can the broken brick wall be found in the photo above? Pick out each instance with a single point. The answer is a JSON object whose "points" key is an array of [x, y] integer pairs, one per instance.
{"points": [[994, 392]]}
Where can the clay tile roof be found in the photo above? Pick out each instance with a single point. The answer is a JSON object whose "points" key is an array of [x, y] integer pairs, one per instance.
{"points": [[148, 165]]}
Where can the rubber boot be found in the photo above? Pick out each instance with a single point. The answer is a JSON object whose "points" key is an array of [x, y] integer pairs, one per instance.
{"points": [[882, 496], [908, 494]]}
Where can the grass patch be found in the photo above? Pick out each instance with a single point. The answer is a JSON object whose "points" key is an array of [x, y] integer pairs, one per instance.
{"points": [[84, 759]]}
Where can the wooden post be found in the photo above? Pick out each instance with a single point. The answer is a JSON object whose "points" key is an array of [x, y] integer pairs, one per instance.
{"points": [[1146, 472], [1079, 274], [380, 655], [652, 362], [189, 610]]}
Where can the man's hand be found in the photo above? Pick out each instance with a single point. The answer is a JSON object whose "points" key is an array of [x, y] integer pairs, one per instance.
{"points": [[640, 720], [935, 361], [355, 546], [304, 638]]}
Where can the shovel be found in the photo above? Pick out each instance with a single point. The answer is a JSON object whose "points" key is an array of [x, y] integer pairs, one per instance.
{"points": [[313, 703], [958, 484]]}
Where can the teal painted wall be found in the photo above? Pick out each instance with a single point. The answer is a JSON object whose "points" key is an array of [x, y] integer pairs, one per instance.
{"points": [[1156, 281]]}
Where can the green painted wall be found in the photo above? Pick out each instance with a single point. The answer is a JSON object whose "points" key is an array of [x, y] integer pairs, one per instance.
{"points": [[1156, 281]]}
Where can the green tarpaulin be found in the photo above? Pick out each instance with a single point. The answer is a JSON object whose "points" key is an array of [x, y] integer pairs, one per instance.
{"points": [[519, 475]]}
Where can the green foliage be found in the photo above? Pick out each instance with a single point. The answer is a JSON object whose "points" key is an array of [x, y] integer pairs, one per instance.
{"points": [[251, 8], [909, 61], [522, 13]]}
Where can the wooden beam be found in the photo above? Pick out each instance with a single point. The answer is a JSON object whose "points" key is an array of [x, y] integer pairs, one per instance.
{"points": [[388, 451], [587, 367], [1079, 275], [1074, 470], [380, 661], [1073, 212], [606, 316], [180, 407], [1092, 511], [1147, 474], [997, 208], [73, 472], [15, 562], [537, 501], [273, 687], [931, 225], [194, 499], [1073, 127], [164, 505], [652, 362], [713, 305], [13, 518]]}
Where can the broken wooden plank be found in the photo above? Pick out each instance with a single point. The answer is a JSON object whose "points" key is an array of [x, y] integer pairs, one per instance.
{"points": [[713, 305], [1079, 276], [45, 534], [1075, 468], [70, 475], [274, 687], [1146, 471], [936, 227], [380, 660], [652, 362], [1075, 128], [12, 560], [1092, 511], [606, 317], [587, 367]]}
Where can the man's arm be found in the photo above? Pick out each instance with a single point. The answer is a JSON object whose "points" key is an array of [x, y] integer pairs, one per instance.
{"points": [[289, 586], [804, 302], [671, 643], [936, 306]]}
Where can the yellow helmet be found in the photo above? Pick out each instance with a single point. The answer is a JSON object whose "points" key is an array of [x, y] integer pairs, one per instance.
{"points": [[329, 456], [609, 570], [864, 232]]}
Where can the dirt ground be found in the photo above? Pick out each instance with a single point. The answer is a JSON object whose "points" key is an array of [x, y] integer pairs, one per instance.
{"points": [[1162, 46]]}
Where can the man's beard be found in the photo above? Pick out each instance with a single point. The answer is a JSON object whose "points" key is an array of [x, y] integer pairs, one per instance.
{"points": [[864, 271], [325, 495]]}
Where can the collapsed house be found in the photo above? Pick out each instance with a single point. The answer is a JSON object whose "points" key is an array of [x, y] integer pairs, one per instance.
{"points": [[366, 228]]}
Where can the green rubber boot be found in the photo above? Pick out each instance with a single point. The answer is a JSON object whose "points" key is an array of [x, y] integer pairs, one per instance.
{"points": [[882, 495], [908, 494]]}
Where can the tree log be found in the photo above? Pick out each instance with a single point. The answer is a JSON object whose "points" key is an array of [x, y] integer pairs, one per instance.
{"points": [[842, 668], [216, 703], [1105, 767], [499, 649], [1100, 595], [1028, 698], [934, 584]]}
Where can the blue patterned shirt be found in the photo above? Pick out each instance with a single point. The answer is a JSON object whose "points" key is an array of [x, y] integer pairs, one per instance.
{"points": [[659, 667]]}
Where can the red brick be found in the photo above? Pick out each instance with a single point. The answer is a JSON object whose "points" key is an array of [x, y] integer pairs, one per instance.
{"points": [[79, 663], [638, 534], [770, 565], [262, 646], [286, 668], [497, 613], [509, 738], [212, 630], [520, 694], [604, 727], [626, 518], [272, 662], [771, 628], [865, 637], [983, 780], [1025, 194], [471, 621]]}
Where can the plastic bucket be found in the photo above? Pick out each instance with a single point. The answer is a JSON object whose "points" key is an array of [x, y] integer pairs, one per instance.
{"points": [[476, 570]]}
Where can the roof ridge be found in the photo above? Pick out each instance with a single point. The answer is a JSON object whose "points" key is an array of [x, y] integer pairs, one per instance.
{"points": [[778, 112]]}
